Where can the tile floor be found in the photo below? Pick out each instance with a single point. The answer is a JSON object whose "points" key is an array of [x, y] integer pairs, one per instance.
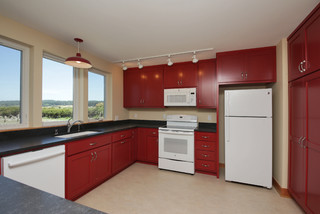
{"points": [[142, 189]]}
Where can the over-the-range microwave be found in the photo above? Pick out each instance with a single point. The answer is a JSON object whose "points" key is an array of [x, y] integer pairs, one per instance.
{"points": [[180, 97]]}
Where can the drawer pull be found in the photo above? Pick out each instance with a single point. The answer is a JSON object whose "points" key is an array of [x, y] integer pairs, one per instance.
{"points": [[91, 157], [205, 146], [123, 142], [204, 155], [153, 132], [205, 165], [92, 144], [122, 135], [205, 137]]}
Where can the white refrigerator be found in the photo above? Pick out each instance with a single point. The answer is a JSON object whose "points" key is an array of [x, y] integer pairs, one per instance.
{"points": [[248, 136]]}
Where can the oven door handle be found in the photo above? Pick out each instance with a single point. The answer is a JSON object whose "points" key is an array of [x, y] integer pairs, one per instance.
{"points": [[176, 132]]}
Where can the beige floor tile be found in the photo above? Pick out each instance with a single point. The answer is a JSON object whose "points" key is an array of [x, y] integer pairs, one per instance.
{"points": [[144, 189]]}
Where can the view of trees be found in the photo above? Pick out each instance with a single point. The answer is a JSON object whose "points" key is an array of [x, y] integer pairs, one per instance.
{"points": [[51, 109]]}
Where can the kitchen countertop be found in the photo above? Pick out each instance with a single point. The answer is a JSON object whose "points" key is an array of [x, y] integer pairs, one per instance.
{"points": [[19, 198], [20, 141]]}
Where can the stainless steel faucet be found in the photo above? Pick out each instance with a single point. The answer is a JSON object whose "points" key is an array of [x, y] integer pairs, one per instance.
{"points": [[69, 125]]}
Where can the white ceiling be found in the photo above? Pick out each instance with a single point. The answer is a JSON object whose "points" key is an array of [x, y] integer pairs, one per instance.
{"points": [[125, 29]]}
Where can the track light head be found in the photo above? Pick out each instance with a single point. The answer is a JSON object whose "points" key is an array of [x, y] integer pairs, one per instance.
{"points": [[170, 63], [124, 67], [194, 58], [140, 66]]}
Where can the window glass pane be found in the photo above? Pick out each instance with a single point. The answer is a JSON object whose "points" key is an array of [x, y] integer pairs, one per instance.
{"points": [[96, 96], [57, 91], [10, 84]]}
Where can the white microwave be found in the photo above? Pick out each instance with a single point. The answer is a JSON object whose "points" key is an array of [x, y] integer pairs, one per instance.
{"points": [[180, 97]]}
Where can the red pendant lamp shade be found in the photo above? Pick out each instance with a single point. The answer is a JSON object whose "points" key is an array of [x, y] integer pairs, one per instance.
{"points": [[77, 61]]}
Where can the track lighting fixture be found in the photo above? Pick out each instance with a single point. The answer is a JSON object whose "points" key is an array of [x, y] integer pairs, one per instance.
{"points": [[194, 58], [140, 66], [124, 67], [169, 61], [77, 61]]}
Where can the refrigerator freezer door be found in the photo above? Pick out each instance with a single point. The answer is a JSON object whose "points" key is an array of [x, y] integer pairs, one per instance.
{"points": [[248, 150], [248, 103]]}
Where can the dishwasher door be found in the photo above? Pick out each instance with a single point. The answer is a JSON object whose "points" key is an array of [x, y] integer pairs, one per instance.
{"points": [[42, 169]]}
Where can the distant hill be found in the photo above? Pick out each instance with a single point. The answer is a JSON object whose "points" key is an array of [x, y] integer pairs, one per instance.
{"points": [[47, 103]]}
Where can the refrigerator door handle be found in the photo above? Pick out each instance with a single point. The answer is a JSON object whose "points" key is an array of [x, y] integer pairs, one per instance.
{"points": [[227, 129], [226, 97]]}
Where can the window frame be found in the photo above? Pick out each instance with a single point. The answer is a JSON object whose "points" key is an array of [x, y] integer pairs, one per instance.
{"points": [[105, 75], [74, 91], [24, 83]]}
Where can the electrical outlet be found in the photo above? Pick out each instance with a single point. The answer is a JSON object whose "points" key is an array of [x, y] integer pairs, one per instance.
{"points": [[164, 116], [116, 117], [209, 117], [135, 115]]}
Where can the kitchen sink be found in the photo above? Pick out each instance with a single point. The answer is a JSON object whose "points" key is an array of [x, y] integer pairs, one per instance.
{"points": [[78, 134]]}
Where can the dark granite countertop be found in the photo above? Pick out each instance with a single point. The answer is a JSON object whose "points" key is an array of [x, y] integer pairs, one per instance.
{"points": [[16, 198], [25, 140]]}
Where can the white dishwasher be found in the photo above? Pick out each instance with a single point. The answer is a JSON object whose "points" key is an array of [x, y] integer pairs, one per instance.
{"points": [[42, 169]]}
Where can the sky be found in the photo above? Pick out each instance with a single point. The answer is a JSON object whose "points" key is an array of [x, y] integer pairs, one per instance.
{"points": [[57, 79], [10, 61]]}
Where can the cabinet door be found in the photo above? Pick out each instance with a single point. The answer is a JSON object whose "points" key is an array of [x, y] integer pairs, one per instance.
{"points": [[78, 172], [261, 65], [142, 145], [134, 145], [296, 54], [101, 169], [313, 143], [230, 67], [312, 30], [297, 132], [153, 87], [180, 75], [207, 84], [121, 154], [152, 149], [133, 87]]}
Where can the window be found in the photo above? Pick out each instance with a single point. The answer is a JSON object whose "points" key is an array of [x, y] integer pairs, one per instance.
{"points": [[14, 78], [57, 90], [96, 95]]}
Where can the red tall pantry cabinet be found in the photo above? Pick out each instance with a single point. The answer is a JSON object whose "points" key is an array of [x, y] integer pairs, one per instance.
{"points": [[304, 106]]}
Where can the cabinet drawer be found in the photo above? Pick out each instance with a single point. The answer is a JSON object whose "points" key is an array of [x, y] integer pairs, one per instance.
{"points": [[151, 132], [205, 145], [205, 155], [87, 143], [206, 136], [206, 165], [121, 135]]}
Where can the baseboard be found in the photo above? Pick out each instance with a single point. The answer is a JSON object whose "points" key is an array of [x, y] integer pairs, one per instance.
{"points": [[221, 165], [283, 192]]}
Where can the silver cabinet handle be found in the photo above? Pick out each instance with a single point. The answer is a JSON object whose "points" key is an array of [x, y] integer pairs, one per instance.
{"points": [[92, 144], [96, 156], [299, 67], [180, 82], [303, 68], [242, 75], [91, 157], [204, 155], [122, 135], [302, 142], [299, 141], [122, 142], [205, 165], [153, 132], [205, 146], [205, 137], [246, 76]]}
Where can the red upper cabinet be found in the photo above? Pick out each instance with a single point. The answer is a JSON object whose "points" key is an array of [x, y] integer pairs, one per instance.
{"points": [[247, 66], [303, 47], [143, 87], [180, 75], [207, 84]]}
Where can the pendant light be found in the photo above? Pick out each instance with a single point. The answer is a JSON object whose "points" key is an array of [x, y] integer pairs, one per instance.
{"points": [[77, 61], [124, 67], [170, 63], [140, 66]]}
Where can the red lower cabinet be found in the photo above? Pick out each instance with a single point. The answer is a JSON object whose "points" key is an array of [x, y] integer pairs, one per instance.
{"points": [[206, 159], [88, 167], [148, 145], [121, 154]]}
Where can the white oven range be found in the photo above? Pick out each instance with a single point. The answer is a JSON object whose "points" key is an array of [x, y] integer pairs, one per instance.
{"points": [[176, 143]]}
